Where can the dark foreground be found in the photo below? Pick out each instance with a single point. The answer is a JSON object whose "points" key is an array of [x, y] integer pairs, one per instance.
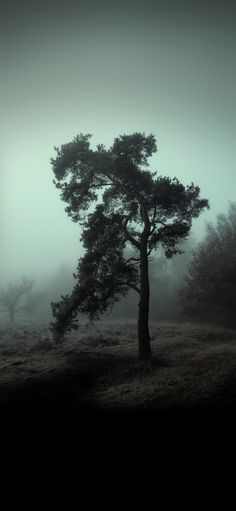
{"points": [[96, 371]]}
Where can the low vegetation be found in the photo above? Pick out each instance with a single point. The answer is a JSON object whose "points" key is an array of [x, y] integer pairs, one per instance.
{"points": [[193, 367]]}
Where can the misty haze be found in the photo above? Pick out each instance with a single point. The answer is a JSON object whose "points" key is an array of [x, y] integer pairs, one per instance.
{"points": [[118, 207]]}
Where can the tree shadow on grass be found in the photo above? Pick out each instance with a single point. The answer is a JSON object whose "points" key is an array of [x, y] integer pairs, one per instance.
{"points": [[67, 392]]}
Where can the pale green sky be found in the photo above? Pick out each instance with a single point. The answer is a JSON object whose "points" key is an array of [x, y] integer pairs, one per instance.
{"points": [[166, 71]]}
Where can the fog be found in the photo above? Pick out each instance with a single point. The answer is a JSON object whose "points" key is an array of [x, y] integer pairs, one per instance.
{"points": [[108, 70], [111, 68]]}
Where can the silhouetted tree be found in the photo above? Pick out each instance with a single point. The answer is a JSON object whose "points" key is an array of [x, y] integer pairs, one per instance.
{"points": [[12, 298], [133, 207], [210, 285]]}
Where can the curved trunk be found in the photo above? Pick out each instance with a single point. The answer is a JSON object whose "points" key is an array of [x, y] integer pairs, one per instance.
{"points": [[143, 316]]}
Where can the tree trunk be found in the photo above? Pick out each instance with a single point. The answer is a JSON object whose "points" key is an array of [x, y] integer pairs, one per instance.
{"points": [[143, 316]]}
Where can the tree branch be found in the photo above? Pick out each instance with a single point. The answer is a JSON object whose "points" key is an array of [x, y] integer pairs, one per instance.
{"points": [[146, 220], [153, 220], [132, 286], [128, 235], [132, 259], [100, 185], [162, 223], [126, 190], [154, 214]]}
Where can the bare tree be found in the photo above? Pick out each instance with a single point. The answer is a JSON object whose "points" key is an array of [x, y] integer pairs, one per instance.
{"points": [[13, 298]]}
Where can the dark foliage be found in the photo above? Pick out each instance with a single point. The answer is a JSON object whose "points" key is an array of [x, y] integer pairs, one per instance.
{"points": [[211, 281]]}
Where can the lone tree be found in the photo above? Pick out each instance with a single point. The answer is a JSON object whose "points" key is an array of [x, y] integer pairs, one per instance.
{"points": [[210, 284], [131, 206]]}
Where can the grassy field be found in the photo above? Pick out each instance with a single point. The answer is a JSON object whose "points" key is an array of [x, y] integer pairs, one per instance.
{"points": [[97, 369]]}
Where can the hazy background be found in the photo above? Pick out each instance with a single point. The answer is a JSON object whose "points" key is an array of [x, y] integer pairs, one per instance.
{"points": [[109, 69]]}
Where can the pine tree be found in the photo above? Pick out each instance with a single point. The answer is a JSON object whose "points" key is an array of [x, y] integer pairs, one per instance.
{"points": [[133, 206]]}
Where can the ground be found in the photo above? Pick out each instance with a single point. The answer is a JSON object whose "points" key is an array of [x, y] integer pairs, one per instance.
{"points": [[97, 369]]}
